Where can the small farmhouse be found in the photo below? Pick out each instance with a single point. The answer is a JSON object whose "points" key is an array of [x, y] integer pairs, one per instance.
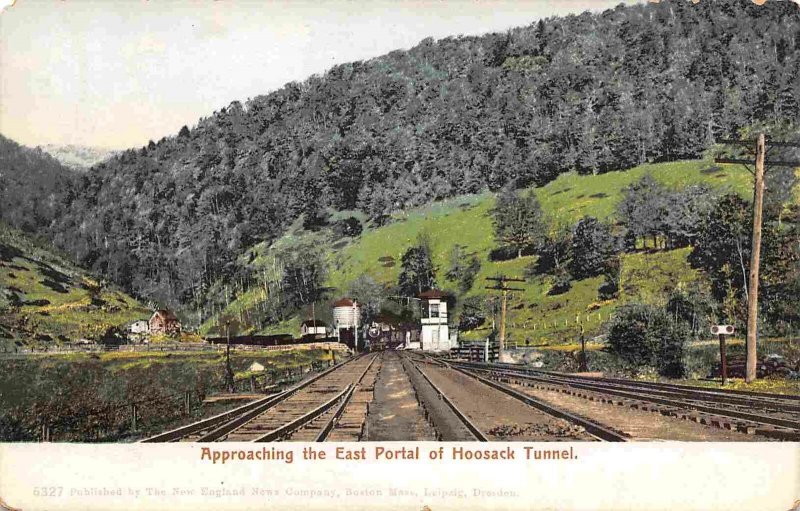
{"points": [[138, 330], [314, 328], [164, 322]]}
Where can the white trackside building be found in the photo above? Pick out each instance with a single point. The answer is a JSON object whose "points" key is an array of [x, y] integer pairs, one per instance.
{"points": [[435, 331]]}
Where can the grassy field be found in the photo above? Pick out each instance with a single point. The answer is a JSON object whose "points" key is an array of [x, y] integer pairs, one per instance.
{"points": [[46, 299], [534, 316], [87, 397]]}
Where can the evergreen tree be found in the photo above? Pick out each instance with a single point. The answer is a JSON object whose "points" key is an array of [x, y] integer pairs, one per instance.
{"points": [[643, 207], [463, 269], [417, 272], [593, 245], [518, 220]]}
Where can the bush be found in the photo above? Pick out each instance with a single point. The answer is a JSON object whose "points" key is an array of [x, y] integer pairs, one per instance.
{"points": [[350, 227], [473, 313], [561, 283], [693, 306], [645, 335], [609, 289]]}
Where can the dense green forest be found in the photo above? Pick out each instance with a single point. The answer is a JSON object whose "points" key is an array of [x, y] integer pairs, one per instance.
{"points": [[586, 93], [31, 183]]}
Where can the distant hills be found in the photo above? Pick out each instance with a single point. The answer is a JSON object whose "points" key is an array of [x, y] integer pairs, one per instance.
{"points": [[78, 157], [587, 94]]}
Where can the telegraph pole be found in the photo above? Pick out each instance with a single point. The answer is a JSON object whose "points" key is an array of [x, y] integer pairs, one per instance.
{"points": [[755, 261], [229, 383], [502, 286], [760, 163]]}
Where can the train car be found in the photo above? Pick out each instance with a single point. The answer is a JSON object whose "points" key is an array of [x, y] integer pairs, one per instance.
{"points": [[255, 340]]}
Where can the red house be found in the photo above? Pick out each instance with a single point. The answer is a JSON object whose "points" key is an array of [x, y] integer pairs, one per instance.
{"points": [[164, 322]]}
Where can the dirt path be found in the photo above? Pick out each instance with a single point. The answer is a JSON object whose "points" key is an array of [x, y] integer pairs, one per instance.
{"points": [[395, 413]]}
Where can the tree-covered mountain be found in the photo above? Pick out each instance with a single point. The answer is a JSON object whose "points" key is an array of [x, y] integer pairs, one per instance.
{"points": [[31, 183], [588, 93]]}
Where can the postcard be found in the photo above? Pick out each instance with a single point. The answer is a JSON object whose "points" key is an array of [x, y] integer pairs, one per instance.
{"points": [[418, 255]]}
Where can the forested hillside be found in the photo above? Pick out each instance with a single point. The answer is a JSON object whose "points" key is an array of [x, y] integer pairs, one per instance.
{"points": [[31, 186], [463, 251], [587, 93], [46, 300]]}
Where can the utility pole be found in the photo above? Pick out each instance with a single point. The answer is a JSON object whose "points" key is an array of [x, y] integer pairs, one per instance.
{"points": [[502, 286], [760, 163], [228, 368], [583, 365], [755, 261]]}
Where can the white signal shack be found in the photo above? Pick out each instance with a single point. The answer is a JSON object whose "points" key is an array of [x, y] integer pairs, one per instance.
{"points": [[435, 330]]}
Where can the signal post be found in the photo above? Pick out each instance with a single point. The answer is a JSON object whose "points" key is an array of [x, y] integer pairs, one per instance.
{"points": [[722, 331]]}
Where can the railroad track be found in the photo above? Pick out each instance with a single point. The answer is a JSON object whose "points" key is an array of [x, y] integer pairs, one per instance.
{"points": [[262, 420], [774, 416], [344, 422], [594, 429], [412, 368], [751, 399]]}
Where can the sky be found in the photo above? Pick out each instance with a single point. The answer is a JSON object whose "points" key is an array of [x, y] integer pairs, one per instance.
{"points": [[119, 74]]}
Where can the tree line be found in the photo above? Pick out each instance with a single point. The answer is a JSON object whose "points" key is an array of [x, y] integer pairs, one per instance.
{"points": [[650, 217], [586, 93]]}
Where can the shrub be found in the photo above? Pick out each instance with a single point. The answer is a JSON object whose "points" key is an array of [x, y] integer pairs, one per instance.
{"points": [[350, 227], [561, 283], [645, 335], [473, 313], [610, 287]]}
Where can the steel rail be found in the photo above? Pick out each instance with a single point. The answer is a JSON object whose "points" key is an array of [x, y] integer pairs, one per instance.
{"points": [[326, 430], [476, 432], [232, 415], [331, 424], [299, 422], [644, 396], [779, 406], [765, 397], [667, 392], [593, 428], [414, 374]]}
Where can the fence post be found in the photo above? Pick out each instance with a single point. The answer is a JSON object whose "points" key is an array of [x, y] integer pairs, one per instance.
{"points": [[133, 417], [188, 402]]}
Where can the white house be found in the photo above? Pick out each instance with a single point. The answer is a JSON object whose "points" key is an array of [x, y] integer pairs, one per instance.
{"points": [[314, 328], [435, 331], [138, 330]]}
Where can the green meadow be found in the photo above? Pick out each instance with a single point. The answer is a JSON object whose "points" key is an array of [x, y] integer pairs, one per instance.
{"points": [[534, 316], [44, 298]]}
